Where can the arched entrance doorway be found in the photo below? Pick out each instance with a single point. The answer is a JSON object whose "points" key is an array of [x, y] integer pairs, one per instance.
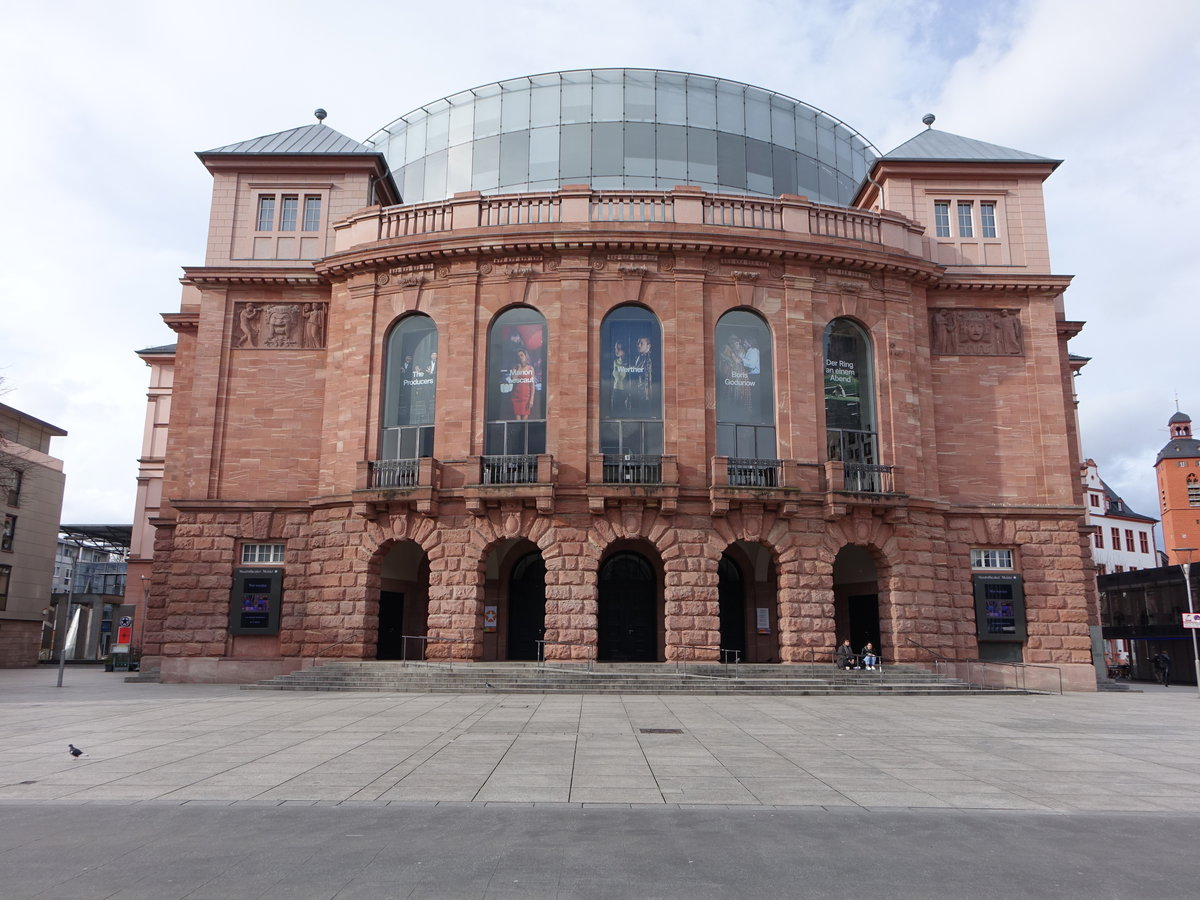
{"points": [[748, 602], [526, 607], [856, 598], [627, 626], [403, 602]]}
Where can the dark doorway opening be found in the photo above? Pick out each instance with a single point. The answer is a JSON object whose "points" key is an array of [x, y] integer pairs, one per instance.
{"points": [[391, 625], [526, 607], [731, 597], [863, 610], [628, 593]]}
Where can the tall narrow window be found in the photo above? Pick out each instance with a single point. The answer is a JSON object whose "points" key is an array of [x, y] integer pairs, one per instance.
{"points": [[5, 574], [516, 396], [1116, 538], [287, 213], [266, 213], [965, 226], [410, 389], [1129, 539], [312, 213], [10, 531], [941, 218], [631, 403], [850, 397], [987, 219], [1098, 538], [1145, 541], [1193, 490], [745, 391]]}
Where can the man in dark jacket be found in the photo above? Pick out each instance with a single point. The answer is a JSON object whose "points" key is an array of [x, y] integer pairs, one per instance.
{"points": [[845, 656]]}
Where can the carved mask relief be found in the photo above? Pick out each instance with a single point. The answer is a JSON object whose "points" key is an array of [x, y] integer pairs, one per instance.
{"points": [[279, 326], [976, 332]]}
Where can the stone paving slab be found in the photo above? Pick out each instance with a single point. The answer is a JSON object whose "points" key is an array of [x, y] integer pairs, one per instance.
{"points": [[189, 744]]}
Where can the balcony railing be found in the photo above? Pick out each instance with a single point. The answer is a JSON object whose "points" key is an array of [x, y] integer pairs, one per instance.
{"points": [[632, 469], [394, 473], [763, 473], [522, 469], [681, 206], [862, 478]]}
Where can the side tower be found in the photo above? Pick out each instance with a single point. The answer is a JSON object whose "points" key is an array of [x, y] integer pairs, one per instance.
{"points": [[1178, 472]]}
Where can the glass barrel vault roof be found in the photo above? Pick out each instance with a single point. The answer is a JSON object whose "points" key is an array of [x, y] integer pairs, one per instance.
{"points": [[632, 129]]}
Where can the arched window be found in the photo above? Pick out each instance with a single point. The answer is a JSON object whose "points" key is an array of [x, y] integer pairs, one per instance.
{"points": [[410, 389], [631, 405], [850, 396], [745, 387], [516, 395]]}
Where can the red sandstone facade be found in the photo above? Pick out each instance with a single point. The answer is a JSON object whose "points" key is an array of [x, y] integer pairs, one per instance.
{"points": [[276, 431]]}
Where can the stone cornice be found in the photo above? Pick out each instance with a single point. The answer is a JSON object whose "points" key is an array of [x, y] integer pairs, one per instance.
{"points": [[230, 276], [1024, 282], [711, 240], [182, 322]]}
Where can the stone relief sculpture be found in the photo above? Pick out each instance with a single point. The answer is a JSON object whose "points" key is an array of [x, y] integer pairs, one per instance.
{"points": [[976, 332], [280, 326]]}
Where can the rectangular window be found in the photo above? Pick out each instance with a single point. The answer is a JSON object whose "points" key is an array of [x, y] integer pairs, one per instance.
{"points": [[987, 219], [312, 213], [5, 574], [10, 529], [991, 559], [941, 218], [1098, 538], [1116, 536], [1118, 568], [261, 553], [1145, 541], [11, 480], [966, 227], [287, 213], [1129, 539], [1095, 500], [266, 213]]}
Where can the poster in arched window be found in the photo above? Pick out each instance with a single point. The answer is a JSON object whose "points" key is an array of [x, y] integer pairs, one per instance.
{"points": [[631, 365], [847, 377], [517, 367], [745, 387], [412, 373]]}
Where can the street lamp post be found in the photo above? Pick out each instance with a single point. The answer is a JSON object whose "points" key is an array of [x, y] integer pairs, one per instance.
{"points": [[1187, 586]]}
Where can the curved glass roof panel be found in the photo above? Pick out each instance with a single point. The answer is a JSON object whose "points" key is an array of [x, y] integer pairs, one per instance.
{"points": [[636, 129]]}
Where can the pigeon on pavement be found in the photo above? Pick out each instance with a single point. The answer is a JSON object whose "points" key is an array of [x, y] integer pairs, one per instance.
{"points": [[75, 751]]}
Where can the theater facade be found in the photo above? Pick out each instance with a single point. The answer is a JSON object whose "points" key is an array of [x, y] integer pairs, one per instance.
{"points": [[620, 365]]}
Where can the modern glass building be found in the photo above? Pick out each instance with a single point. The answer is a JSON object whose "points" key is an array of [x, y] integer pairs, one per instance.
{"points": [[633, 129]]}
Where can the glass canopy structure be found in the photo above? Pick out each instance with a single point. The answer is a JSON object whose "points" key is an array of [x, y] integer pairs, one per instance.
{"points": [[623, 129]]}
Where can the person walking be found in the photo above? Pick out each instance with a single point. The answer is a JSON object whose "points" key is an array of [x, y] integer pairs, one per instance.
{"points": [[1162, 668]]}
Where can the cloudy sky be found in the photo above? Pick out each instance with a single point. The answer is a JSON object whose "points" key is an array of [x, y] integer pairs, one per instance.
{"points": [[106, 103]]}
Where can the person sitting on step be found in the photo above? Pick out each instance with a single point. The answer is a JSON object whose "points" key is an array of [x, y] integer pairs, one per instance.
{"points": [[870, 657], [845, 658]]}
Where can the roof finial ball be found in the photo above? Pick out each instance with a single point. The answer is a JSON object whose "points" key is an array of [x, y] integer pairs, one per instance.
{"points": [[928, 119], [320, 114]]}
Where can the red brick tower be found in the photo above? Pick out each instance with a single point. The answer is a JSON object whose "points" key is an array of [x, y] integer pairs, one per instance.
{"points": [[1178, 468]]}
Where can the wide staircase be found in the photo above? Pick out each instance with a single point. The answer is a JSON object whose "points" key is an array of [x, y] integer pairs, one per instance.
{"points": [[618, 678]]}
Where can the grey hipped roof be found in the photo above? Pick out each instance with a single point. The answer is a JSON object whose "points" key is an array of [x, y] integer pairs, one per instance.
{"points": [[1179, 448], [308, 140], [943, 146]]}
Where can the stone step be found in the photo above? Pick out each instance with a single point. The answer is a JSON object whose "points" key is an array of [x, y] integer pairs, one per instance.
{"points": [[628, 678]]}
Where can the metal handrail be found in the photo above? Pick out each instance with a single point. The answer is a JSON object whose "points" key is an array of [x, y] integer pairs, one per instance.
{"points": [[725, 656], [427, 639], [1019, 668], [541, 653]]}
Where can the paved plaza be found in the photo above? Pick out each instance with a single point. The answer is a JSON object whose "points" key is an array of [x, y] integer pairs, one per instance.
{"points": [[206, 791], [150, 743]]}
